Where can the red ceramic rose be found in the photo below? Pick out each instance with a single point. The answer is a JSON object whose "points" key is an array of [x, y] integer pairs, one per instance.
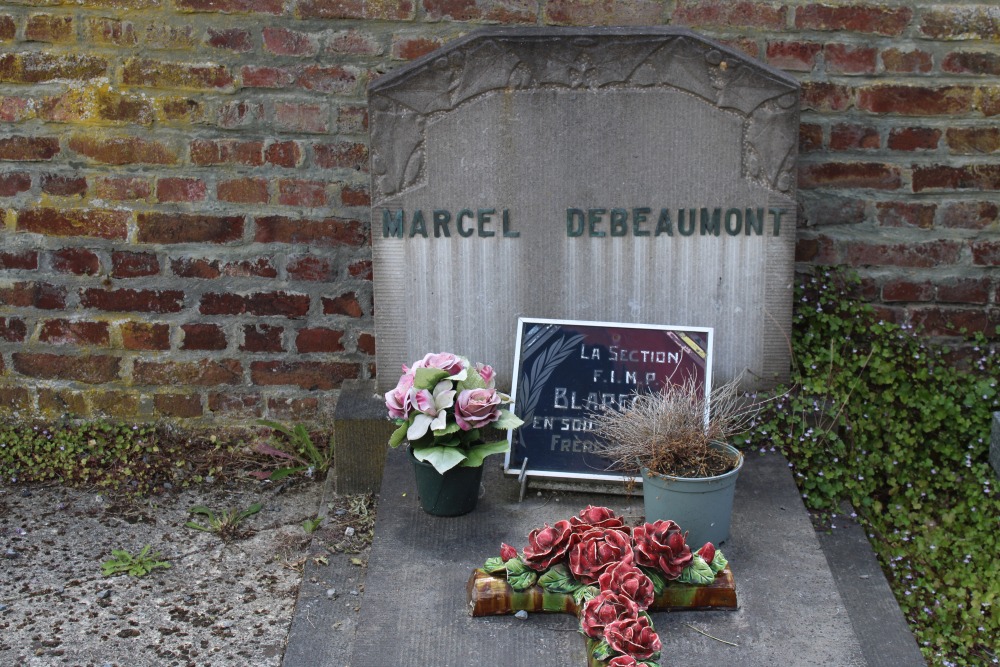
{"points": [[627, 580], [597, 517], [623, 661], [603, 609], [593, 552], [547, 545], [662, 545], [633, 636], [507, 552]]}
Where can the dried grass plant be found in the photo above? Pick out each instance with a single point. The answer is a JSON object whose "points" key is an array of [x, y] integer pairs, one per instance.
{"points": [[667, 432]]}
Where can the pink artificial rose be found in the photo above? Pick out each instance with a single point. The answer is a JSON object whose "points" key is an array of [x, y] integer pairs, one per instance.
{"points": [[546, 545], [476, 408], [446, 361], [603, 609], [623, 661], [662, 545], [507, 552], [400, 400], [628, 581], [597, 517], [595, 551], [487, 373], [633, 636]]}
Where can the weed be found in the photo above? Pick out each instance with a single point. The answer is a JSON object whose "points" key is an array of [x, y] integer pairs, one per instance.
{"points": [[310, 525], [122, 562], [225, 524], [297, 451]]}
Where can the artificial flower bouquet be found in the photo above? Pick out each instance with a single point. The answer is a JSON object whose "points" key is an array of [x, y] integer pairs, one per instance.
{"points": [[441, 404]]}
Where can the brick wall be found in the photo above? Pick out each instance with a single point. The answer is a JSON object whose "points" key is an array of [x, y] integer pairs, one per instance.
{"points": [[184, 187]]}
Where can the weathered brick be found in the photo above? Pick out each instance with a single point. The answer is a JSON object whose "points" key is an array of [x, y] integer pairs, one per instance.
{"points": [[188, 267], [173, 75], [319, 339], [725, 14], [286, 42], [969, 177], [179, 406], [848, 136], [311, 268], [145, 336], [825, 210], [62, 402], [300, 117], [342, 155], [283, 154], [74, 332], [28, 149], [206, 152], [118, 404], [262, 338], [16, 109], [57, 28], [913, 138], [181, 110], [523, 11], [907, 290], [21, 259], [168, 36], [37, 67], [110, 32], [985, 253], [261, 304], [988, 101], [63, 185], [133, 300], [311, 376], [355, 196], [189, 228], [916, 100], [352, 120], [231, 39], [14, 183], [406, 47], [969, 214], [793, 56], [266, 76], [345, 304], [293, 409], [871, 175], [973, 139], [122, 188], [78, 261], [336, 79], [916, 255], [243, 191], [964, 290], [821, 96], [174, 189], [203, 373], [329, 232], [202, 336], [274, 7], [122, 150], [366, 343], [849, 59], [127, 264], [90, 369], [15, 398], [245, 405], [354, 43], [12, 329], [261, 267], [8, 29], [97, 103], [97, 223], [299, 192], [971, 62], [933, 321], [962, 22], [242, 113], [31, 294], [361, 269], [905, 214], [914, 61], [389, 10], [890, 21]]}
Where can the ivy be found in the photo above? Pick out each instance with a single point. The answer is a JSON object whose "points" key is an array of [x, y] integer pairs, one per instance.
{"points": [[899, 427]]}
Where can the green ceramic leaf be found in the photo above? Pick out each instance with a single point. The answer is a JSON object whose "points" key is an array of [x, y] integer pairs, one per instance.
{"points": [[495, 565], [581, 595], [507, 421], [719, 563], [698, 572], [426, 378], [602, 651], [557, 579], [478, 452], [442, 458], [520, 576], [659, 581], [398, 436]]}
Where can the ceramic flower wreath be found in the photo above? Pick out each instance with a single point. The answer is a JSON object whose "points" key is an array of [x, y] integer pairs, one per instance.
{"points": [[613, 572]]}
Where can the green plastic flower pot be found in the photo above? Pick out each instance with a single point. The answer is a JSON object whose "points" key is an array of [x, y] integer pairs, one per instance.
{"points": [[701, 506], [454, 493]]}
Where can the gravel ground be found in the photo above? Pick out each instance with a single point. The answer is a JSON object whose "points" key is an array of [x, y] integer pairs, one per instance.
{"points": [[220, 602]]}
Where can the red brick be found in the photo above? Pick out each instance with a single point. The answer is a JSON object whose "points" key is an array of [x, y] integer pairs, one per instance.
{"points": [[724, 13], [37, 67], [285, 42], [74, 222], [916, 255], [411, 48], [299, 117], [188, 228], [203, 337], [962, 22], [366, 343], [49, 28], [905, 214], [964, 290], [90, 369], [826, 209], [180, 189], [122, 188], [298, 192], [954, 321], [847, 136], [969, 214], [390, 10], [95, 104], [167, 36], [907, 290], [78, 261], [523, 11], [247, 405], [243, 191], [312, 268], [231, 39], [890, 21], [820, 96], [63, 186], [283, 154], [187, 267], [16, 109], [206, 372], [23, 259], [352, 120], [971, 62], [914, 138], [355, 196], [258, 268], [307, 375], [227, 151], [262, 338], [318, 339], [122, 150], [33, 295], [14, 183], [178, 406], [110, 32], [907, 62], [293, 409], [237, 114], [985, 253], [916, 100], [869, 175], [182, 109], [354, 43], [133, 300], [361, 269], [28, 149], [263, 76], [329, 232], [175, 75], [69, 332], [12, 330], [810, 137], [848, 59], [989, 101], [275, 7], [145, 336], [261, 304], [8, 29], [973, 139], [970, 177], [133, 264], [794, 56], [328, 79], [342, 155], [345, 304]]}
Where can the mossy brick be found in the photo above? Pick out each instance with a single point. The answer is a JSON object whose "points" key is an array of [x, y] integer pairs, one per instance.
{"points": [[20, 260], [170, 228], [975, 22], [178, 109], [76, 261], [273, 7], [871, 20], [988, 101], [385, 10], [97, 223], [914, 255], [170, 37], [145, 336], [824, 209], [907, 61], [260, 304], [292, 409], [206, 372], [262, 338], [169, 75], [60, 402], [727, 14], [509, 12], [109, 32], [969, 214], [345, 304], [283, 154], [28, 149], [867, 175], [89, 369], [64, 185], [55, 28], [39, 67], [14, 183], [13, 329], [825, 97], [33, 294], [132, 300], [952, 321], [982, 63], [74, 332], [8, 28], [182, 406], [947, 177], [916, 100], [587, 13], [243, 191], [973, 140], [913, 138], [117, 150], [319, 339], [207, 152], [180, 189], [97, 103], [905, 214], [311, 268], [236, 405], [122, 188], [329, 232], [203, 336], [119, 404], [301, 192], [311, 376], [130, 264], [16, 109], [341, 155], [15, 398]]}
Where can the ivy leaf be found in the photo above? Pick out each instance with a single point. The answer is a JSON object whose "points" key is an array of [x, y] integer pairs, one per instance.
{"points": [[557, 579]]}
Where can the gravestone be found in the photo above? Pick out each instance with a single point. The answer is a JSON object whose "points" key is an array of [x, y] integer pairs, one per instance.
{"points": [[635, 175]]}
